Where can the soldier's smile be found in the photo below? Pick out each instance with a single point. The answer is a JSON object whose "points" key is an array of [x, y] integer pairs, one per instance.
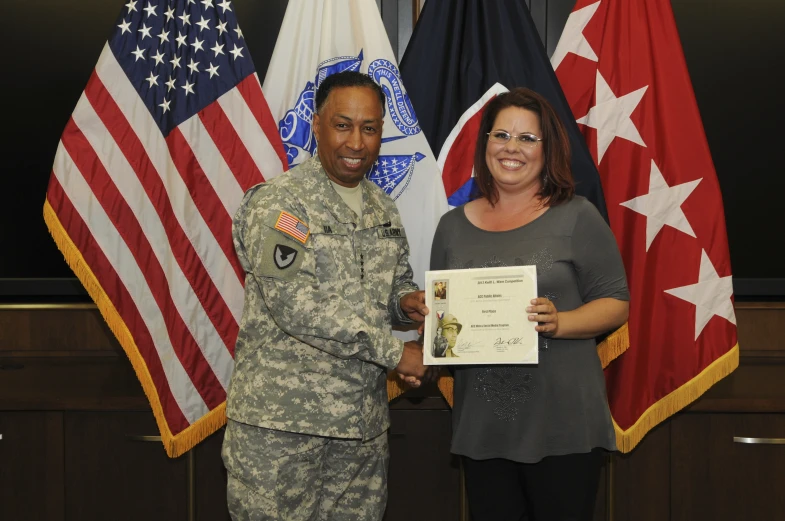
{"points": [[348, 130]]}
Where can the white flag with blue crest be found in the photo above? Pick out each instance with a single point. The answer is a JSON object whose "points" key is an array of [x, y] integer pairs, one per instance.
{"points": [[319, 38]]}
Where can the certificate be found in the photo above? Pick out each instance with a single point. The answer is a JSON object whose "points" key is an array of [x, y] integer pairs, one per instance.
{"points": [[478, 316]]}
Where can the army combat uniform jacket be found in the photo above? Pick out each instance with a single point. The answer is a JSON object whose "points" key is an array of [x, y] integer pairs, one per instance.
{"points": [[322, 289]]}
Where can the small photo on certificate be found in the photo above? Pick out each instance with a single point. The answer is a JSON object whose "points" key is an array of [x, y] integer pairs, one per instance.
{"points": [[478, 316]]}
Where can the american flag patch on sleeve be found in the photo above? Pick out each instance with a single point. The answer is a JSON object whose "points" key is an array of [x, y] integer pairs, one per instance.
{"points": [[293, 227]]}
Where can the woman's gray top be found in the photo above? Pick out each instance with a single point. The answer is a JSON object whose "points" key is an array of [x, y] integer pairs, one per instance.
{"points": [[559, 406]]}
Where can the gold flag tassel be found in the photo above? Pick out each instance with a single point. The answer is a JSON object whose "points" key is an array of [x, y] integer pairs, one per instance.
{"points": [[676, 400], [174, 445]]}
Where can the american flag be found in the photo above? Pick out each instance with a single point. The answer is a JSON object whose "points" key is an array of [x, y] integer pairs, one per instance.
{"points": [[291, 225], [169, 133]]}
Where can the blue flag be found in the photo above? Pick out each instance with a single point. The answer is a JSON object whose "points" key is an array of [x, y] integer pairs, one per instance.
{"points": [[464, 52]]}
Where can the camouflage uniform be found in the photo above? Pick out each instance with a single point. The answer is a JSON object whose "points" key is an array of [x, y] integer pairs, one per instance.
{"points": [[322, 289]]}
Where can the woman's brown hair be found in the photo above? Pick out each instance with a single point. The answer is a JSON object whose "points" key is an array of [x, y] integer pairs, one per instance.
{"points": [[556, 176]]}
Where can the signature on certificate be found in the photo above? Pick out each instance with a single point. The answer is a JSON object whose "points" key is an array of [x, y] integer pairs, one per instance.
{"points": [[464, 345], [515, 340]]}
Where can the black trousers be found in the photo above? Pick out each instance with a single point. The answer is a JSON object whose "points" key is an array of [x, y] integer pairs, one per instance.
{"points": [[557, 488]]}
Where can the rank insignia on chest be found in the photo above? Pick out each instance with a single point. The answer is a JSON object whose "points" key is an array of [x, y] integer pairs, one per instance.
{"points": [[293, 227], [388, 233]]}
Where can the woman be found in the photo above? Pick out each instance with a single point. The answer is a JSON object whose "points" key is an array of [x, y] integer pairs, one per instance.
{"points": [[532, 438]]}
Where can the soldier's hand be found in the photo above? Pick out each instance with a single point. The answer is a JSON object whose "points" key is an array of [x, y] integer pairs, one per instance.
{"points": [[432, 373], [410, 368], [413, 305]]}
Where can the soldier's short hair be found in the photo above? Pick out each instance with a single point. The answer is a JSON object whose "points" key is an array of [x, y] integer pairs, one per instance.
{"points": [[346, 79]]}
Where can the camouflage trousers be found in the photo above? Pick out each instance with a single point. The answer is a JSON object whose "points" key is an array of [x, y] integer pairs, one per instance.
{"points": [[283, 476]]}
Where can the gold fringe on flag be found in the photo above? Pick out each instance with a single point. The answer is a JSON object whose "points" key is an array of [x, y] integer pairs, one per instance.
{"points": [[395, 386], [174, 445], [445, 384], [615, 344], [676, 400]]}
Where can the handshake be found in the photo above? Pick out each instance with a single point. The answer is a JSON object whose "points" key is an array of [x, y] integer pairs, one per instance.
{"points": [[411, 369]]}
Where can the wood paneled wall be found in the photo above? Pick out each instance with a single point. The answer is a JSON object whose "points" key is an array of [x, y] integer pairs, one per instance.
{"points": [[67, 388]]}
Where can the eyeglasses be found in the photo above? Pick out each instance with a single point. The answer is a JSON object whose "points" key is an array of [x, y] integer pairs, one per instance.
{"points": [[502, 137]]}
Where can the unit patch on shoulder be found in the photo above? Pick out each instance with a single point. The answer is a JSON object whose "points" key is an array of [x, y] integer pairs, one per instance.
{"points": [[293, 227], [283, 256], [280, 259]]}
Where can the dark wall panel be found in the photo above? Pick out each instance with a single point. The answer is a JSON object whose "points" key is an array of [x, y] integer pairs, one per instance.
{"points": [[735, 52], [59, 44]]}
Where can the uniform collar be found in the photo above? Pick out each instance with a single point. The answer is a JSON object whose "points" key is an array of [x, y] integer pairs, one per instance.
{"points": [[373, 207]]}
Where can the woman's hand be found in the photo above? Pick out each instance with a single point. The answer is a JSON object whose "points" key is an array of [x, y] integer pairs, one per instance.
{"points": [[544, 313], [588, 321]]}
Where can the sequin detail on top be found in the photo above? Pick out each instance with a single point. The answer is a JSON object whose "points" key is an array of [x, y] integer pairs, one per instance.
{"points": [[544, 342], [459, 264], [494, 262], [543, 259], [505, 388]]}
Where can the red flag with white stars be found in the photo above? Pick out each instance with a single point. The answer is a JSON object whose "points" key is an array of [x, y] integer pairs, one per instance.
{"points": [[623, 72]]}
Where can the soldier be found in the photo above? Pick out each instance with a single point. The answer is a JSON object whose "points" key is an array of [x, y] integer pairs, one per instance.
{"points": [[327, 269], [450, 328]]}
